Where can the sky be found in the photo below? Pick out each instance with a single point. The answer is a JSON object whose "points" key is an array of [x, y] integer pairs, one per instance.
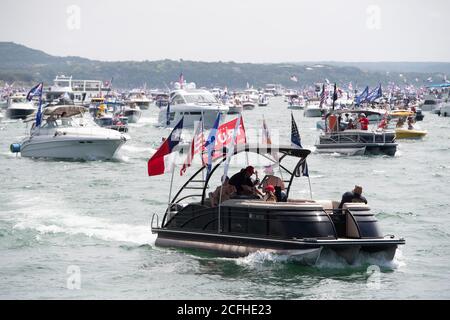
{"points": [[257, 31]]}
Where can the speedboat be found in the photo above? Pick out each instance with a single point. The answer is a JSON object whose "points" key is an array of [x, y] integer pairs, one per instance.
{"points": [[19, 107], [297, 228], [445, 109], [192, 104], [132, 112], [313, 110], [117, 122], [138, 98], [263, 101], [404, 133], [296, 102], [248, 104], [66, 134]]}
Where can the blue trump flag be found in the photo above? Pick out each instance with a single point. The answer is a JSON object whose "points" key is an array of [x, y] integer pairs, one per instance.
{"points": [[296, 141], [211, 143], [375, 94], [34, 92], [362, 97]]}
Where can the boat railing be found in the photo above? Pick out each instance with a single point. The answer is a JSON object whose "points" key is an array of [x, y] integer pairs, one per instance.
{"points": [[267, 218], [152, 222]]}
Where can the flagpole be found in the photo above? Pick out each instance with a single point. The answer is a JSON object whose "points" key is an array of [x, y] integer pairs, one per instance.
{"points": [[170, 190]]}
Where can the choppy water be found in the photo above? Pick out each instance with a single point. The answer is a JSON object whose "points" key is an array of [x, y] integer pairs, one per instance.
{"points": [[95, 216]]}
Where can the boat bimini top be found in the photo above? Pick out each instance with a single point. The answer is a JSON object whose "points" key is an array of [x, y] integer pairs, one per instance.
{"points": [[275, 155]]}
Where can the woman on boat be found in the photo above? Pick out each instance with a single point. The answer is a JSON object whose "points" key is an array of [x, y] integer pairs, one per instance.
{"points": [[270, 194], [226, 189]]}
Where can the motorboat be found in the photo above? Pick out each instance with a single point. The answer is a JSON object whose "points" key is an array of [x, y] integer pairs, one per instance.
{"points": [[19, 107], [444, 109], [132, 112], [66, 133], [248, 104], [192, 104], [313, 110], [114, 122], [296, 101], [405, 133], [263, 101], [138, 98], [300, 229], [234, 106], [351, 142]]}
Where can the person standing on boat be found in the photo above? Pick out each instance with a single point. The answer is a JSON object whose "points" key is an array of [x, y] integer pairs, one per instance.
{"points": [[363, 121], [243, 182], [353, 196]]}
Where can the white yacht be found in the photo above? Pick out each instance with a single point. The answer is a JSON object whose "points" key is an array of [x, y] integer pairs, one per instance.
{"points": [[80, 91], [66, 134], [192, 104], [19, 107], [138, 98], [313, 110], [132, 112]]}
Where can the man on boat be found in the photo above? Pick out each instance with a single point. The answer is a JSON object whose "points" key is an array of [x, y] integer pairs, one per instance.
{"points": [[363, 121], [243, 182], [353, 196]]}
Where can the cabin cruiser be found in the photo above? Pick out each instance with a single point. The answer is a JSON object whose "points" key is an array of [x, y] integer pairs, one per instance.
{"points": [[192, 104], [138, 98], [66, 134], [296, 101], [445, 109], [313, 110], [248, 104], [355, 141], [132, 112], [263, 101], [298, 228], [19, 107]]}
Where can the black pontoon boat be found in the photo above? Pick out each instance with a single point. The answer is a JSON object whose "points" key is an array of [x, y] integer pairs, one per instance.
{"points": [[299, 228]]}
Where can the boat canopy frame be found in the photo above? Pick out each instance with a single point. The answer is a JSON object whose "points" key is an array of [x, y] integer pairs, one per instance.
{"points": [[263, 150]]}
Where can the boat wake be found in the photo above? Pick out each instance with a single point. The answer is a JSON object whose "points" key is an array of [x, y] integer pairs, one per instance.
{"points": [[327, 260], [63, 220]]}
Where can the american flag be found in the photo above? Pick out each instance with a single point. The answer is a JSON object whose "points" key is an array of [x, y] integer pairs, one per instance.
{"points": [[197, 146], [323, 96], [297, 142]]}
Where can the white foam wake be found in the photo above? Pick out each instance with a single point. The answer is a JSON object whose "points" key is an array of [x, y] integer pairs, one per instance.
{"points": [[63, 220]]}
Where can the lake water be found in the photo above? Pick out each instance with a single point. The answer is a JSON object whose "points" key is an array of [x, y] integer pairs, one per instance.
{"points": [[93, 218]]}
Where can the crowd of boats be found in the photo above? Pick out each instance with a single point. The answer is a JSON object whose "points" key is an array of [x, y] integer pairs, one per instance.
{"points": [[87, 119]]}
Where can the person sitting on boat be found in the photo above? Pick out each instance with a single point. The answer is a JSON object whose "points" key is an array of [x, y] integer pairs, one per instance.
{"points": [[276, 182], [350, 125], [400, 122], [410, 123], [243, 182], [270, 194], [353, 196], [363, 121], [226, 189]]}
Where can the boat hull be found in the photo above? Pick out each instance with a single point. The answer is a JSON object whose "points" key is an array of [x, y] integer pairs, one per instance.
{"points": [[132, 115], [303, 251], [13, 113], [409, 134], [312, 113], [76, 149], [388, 149]]}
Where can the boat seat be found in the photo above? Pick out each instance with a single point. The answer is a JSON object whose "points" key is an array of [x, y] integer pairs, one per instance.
{"points": [[261, 204], [356, 206]]}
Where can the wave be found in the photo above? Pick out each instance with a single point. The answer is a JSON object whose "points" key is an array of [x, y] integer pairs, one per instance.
{"points": [[62, 220]]}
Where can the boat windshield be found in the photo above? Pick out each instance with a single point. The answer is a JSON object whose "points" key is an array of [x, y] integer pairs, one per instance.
{"points": [[200, 98]]}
